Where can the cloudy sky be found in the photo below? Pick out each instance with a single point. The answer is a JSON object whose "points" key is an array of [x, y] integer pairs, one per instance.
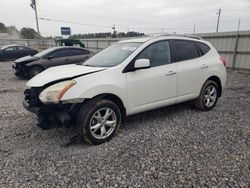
{"points": [[148, 16]]}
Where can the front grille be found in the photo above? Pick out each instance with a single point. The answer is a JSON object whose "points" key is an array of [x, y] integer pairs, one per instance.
{"points": [[32, 96]]}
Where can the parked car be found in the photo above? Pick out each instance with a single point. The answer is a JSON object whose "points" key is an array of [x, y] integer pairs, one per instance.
{"points": [[30, 66], [127, 78], [12, 52]]}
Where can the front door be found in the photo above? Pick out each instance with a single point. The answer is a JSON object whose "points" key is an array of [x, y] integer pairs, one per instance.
{"points": [[10, 53], [156, 86], [59, 57]]}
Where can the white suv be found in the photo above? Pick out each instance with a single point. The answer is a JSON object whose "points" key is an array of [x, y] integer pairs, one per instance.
{"points": [[126, 78]]}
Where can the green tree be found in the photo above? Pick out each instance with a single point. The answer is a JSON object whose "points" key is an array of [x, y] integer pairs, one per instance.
{"points": [[3, 28], [28, 33]]}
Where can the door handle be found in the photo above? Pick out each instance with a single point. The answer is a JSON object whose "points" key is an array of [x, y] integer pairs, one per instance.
{"points": [[171, 72], [204, 66]]}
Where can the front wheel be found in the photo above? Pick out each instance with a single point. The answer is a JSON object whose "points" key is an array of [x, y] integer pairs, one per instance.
{"points": [[208, 96], [98, 120], [35, 70]]}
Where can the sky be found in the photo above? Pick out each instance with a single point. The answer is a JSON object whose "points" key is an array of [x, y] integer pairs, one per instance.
{"points": [[147, 16]]}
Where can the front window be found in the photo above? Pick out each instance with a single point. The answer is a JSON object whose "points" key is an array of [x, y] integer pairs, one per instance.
{"points": [[10, 49], [113, 55], [44, 52]]}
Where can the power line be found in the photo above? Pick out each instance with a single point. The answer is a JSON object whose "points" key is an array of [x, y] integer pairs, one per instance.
{"points": [[175, 28], [78, 23]]}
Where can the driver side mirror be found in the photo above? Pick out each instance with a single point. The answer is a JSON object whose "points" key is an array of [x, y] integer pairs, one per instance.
{"points": [[142, 64]]}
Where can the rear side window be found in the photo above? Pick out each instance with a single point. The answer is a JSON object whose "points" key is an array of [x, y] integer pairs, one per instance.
{"points": [[60, 53], [203, 47], [158, 53], [185, 50], [21, 48], [74, 52]]}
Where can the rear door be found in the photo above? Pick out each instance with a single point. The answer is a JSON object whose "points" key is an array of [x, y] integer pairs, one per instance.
{"points": [[22, 51], [78, 55], [191, 69], [156, 86]]}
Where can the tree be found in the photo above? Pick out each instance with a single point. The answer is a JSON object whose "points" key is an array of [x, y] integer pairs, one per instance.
{"points": [[28, 33], [3, 28]]}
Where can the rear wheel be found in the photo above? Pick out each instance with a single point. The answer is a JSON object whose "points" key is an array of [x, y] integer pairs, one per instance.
{"points": [[99, 120], [208, 96], [35, 70]]}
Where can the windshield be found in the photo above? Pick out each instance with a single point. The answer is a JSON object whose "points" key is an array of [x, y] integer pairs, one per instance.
{"points": [[113, 55], [44, 52]]}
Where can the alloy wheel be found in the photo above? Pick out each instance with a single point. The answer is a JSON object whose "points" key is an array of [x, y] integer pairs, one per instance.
{"points": [[103, 123], [210, 96]]}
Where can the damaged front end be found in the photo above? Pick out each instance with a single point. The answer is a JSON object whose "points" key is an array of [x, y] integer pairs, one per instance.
{"points": [[49, 115]]}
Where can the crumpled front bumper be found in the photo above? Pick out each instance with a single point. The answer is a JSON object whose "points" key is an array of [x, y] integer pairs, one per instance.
{"points": [[49, 115], [33, 109], [20, 70], [53, 115]]}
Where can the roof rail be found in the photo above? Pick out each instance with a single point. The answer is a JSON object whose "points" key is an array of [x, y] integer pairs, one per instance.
{"points": [[155, 35]]}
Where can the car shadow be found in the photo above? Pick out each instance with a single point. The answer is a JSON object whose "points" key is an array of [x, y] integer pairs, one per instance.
{"points": [[133, 122]]}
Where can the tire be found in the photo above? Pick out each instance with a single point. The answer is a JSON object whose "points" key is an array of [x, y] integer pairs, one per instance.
{"points": [[34, 70], [208, 96], [94, 127]]}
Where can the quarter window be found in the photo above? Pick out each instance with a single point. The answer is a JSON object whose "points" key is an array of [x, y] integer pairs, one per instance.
{"points": [[203, 47], [185, 50], [158, 53]]}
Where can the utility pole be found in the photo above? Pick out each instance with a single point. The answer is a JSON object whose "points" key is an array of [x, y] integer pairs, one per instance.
{"points": [[194, 29], [218, 21], [114, 31], [33, 5], [238, 28]]}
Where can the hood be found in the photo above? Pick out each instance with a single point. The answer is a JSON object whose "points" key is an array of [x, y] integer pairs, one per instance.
{"points": [[26, 58], [60, 73]]}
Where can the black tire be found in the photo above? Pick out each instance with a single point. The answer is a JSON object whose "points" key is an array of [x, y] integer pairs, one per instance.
{"points": [[34, 70], [86, 118], [202, 102]]}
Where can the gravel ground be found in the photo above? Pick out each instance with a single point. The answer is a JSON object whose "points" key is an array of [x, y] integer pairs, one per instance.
{"points": [[176, 146]]}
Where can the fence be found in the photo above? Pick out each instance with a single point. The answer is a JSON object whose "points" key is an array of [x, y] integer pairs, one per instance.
{"points": [[43, 43], [234, 46]]}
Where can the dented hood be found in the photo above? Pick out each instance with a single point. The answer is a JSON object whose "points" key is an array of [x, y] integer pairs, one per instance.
{"points": [[60, 73]]}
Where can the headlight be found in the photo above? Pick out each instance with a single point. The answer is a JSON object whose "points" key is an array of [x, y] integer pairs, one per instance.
{"points": [[54, 93]]}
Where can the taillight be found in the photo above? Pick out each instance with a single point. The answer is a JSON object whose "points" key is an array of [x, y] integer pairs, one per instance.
{"points": [[223, 60]]}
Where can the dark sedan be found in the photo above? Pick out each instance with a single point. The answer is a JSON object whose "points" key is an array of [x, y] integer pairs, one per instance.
{"points": [[12, 52], [30, 66]]}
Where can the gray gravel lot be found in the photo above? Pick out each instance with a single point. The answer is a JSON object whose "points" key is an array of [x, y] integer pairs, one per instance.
{"points": [[176, 146]]}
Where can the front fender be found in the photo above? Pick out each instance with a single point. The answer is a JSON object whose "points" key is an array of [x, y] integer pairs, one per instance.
{"points": [[103, 82], [95, 91]]}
